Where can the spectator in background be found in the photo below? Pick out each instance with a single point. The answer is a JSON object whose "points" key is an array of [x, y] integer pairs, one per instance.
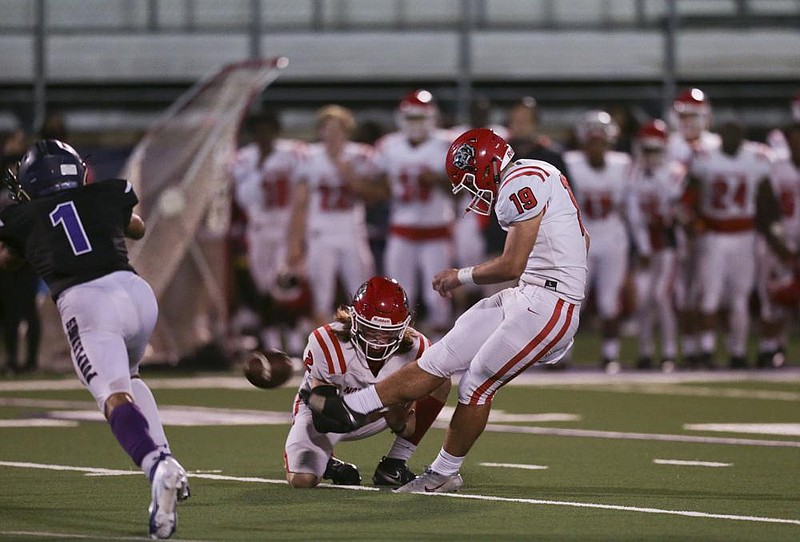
{"points": [[327, 230], [18, 288], [262, 180]]}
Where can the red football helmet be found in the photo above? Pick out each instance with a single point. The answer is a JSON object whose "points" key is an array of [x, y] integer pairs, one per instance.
{"points": [[651, 142], [379, 318], [597, 124], [693, 111], [417, 115], [474, 163]]}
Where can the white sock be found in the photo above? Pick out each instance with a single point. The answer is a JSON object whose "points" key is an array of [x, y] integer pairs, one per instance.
{"points": [[708, 341], [364, 401], [446, 464], [149, 462], [611, 349], [401, 449], [144, 399]]}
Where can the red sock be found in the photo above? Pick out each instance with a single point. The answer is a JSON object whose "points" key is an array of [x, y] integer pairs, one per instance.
{"points": [[426, 410]]}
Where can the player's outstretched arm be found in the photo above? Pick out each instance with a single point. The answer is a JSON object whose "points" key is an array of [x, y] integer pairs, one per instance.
{"points": [[508, 266]]}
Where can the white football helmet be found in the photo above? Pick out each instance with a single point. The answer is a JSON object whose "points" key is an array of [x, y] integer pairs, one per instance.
{"points": [[597, 124], [417, 115], [692, 110]]}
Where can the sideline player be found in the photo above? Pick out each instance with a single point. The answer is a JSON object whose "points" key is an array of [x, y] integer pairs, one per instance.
{"points": [[73, 236], [778, 251], [422, 214], [328, 229], [599, 177], [502, 335], [366, 343], [727, 182], [657, 184], [691, 115], [262, 173]]}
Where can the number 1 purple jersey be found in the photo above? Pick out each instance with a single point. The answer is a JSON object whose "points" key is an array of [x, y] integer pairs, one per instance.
{"points": [[74, 236]]}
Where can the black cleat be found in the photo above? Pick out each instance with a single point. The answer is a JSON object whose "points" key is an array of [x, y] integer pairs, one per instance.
{"points": [[341, 473], [644, 363], [738, 362], [392, 472]]}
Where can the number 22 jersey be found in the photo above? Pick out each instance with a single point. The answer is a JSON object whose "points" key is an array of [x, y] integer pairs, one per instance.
{"points": [[558, 259], [74, 236]]}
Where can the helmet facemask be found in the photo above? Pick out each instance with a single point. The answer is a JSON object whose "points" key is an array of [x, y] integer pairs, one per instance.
{"points": [[482, 199], [376, 339]]}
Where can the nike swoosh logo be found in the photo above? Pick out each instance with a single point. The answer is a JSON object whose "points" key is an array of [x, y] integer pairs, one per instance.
{"points": [[434, 488], [395, 476], [530, 311]]}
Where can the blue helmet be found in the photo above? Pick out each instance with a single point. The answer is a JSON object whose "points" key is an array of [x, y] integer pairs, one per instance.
{"points": [[50, 166]]}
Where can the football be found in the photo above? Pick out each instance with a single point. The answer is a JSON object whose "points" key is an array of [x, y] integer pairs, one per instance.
{"points": [[268, 369]]}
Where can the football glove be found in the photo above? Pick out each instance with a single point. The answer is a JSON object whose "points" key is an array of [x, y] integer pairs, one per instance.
{"points": [[329, 412]]}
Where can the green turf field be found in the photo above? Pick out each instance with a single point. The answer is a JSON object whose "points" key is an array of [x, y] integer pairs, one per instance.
{"points": [[607, 463]]}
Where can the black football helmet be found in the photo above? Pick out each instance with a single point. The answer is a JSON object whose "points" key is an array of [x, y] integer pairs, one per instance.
{"points": [[48, 167]]}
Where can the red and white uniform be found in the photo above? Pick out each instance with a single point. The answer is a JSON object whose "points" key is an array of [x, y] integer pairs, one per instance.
{"points": [[262, 189], [726, 250], [602, 197], [683, 151], [772, 271], [336, 231], [657, 192], [470, 244], [421, 220], [535, 322], [331, 360]]}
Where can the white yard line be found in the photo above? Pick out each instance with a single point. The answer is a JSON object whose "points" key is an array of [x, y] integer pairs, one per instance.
{"points": [[683, 463], [45, 534], [515, 466], [541, 502], [588, 433]]}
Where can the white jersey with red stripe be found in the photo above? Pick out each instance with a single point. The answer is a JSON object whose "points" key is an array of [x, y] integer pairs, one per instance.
{"points": [[262, 185], [333, 208], [785, 180], [658, 192], [558, 259], [414, 204], [329, 359], [728, 185], [684, 151], [601, 194]]}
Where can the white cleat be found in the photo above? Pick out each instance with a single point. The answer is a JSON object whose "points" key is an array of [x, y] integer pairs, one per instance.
{"points": [[170, 485], [432, 482]]}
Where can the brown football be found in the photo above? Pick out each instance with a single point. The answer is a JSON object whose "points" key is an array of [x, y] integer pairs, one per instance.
{"points": [[267, 369]]}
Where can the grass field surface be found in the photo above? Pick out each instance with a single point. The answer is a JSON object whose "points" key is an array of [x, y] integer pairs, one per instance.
{"points": [[573, 455]]}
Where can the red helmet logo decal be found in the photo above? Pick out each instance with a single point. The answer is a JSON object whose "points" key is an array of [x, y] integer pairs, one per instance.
{"points": [[464, 157]]}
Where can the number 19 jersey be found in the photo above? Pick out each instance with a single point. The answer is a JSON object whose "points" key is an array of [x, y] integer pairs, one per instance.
{"points": [[73, 236], [558, 259]]}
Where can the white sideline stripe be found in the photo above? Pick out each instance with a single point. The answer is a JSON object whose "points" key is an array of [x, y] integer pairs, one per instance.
{"points": [[37, 423], [253, 479], [690, 391], [681, 462], [588, 433], [515, 466], [45, 534], [782, 429]]}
